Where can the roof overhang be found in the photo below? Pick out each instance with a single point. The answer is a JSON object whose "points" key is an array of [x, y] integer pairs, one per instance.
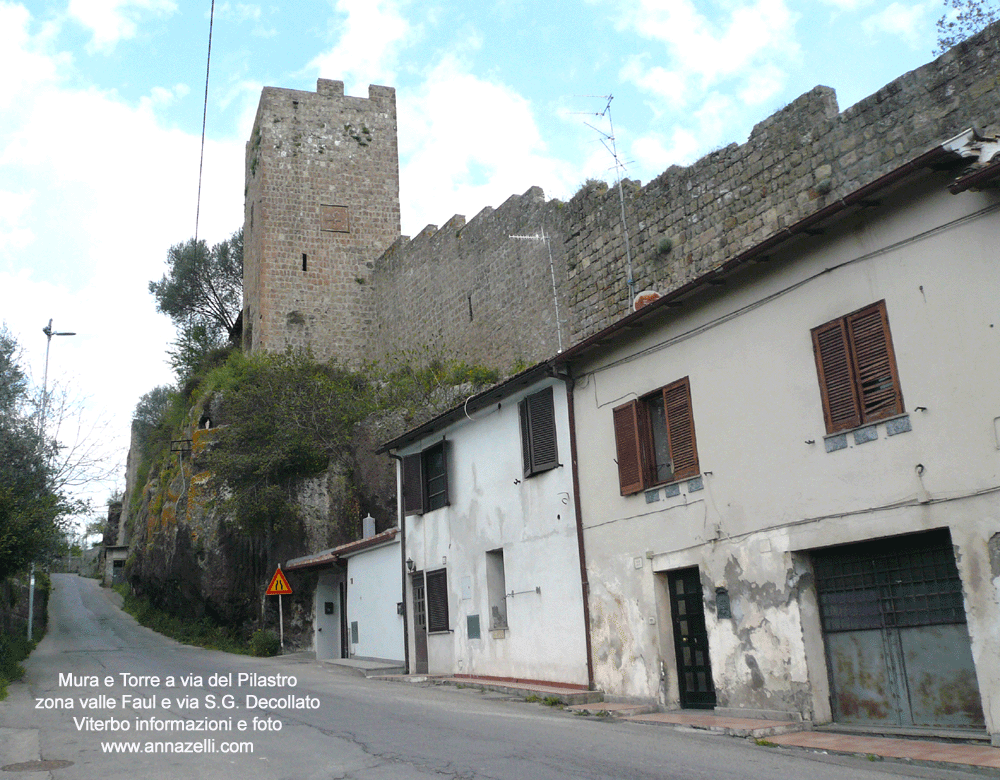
{"points": [[334, 555]]}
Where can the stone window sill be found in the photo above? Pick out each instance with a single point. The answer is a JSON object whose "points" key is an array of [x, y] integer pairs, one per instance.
{"points": [[672, 489], [868, 432]]}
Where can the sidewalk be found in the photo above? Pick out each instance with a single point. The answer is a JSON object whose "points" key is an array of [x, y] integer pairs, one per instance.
{"points": [[784, 733], [887, 747]]}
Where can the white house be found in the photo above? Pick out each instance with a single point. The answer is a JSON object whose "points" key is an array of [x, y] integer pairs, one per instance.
{"points": [[789, 468], [356, 610], [492, 542]]}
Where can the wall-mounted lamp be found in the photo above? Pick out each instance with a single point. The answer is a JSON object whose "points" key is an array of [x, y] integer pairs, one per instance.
{"points": [[409, 565]]}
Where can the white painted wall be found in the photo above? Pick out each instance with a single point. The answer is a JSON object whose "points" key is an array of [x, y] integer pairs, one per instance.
{"points": [[768, 491], [493, 506], [373, 590]]}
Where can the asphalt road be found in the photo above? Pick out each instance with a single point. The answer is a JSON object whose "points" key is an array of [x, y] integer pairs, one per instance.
{"points": [[332, 724]]}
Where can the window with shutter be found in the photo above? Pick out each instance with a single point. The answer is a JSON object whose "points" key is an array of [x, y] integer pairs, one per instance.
{"points": [[856, 365], [425, 480], [655, 438], [538, 432], [630, 460], [437, 600], [413, 485]]}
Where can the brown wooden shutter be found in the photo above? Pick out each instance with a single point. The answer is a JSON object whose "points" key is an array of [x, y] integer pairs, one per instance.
{"points": [[437, 600], [538, 429], [628, 445], [413, 485], [874, 363], [836, 377], [522, 410], [680, 429]]}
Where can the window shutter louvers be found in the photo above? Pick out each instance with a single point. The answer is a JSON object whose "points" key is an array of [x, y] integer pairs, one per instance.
{"points": [[437, 600], [680, 429], [836, 379], [522, 410], [413, 485], [541, 422], [627, 441], [874, 362]]}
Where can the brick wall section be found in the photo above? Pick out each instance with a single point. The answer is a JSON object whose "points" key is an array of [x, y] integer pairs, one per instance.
{"points": [[799, 160], [308, 150]]}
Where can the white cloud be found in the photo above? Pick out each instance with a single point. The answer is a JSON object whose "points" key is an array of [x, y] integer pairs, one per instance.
{"points": [[907, 21], [702, 53], [367, 47], [113, 20], [13, 233], [109, 193], [467, 143], [847, 5]]}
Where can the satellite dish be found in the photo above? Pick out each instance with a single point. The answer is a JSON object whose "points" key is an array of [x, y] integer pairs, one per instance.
{"points": [[644, 298]]}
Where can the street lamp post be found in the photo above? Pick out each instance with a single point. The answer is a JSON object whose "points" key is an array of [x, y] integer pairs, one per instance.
{"points": [[49, 333]]}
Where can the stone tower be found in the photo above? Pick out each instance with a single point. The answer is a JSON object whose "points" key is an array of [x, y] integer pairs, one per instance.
{"points": [[322, 203]]}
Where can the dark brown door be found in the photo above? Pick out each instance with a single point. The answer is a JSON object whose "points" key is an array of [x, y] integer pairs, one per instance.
{"points": [[694, 672], [419, 623]]}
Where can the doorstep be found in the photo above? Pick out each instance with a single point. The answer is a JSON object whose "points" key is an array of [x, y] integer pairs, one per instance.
{"points": [[758, 728]]}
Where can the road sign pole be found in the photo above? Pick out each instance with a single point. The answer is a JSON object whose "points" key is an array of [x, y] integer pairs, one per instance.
{"points": [[281, 625]]}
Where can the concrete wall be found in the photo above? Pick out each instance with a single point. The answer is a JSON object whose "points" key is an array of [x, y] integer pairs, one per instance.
{"points": [[769, 489], [494, 507], [322, 203], [373, 590]]}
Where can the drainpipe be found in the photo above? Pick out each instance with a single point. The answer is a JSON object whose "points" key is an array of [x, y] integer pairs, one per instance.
{"points": [[402, 560], [584, 582]]}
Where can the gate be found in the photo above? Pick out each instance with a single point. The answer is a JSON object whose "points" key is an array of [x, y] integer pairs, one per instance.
{"points": [[896, 639]]}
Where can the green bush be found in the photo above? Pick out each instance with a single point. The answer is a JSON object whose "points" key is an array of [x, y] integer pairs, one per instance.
{"points": [[264, 643], [13, 650]]}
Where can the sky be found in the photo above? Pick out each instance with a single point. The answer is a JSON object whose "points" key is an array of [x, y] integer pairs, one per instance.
{"points": [[102, 101]]}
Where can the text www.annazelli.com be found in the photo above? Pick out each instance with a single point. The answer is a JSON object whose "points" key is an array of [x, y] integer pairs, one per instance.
{"points": [[196, 746]]}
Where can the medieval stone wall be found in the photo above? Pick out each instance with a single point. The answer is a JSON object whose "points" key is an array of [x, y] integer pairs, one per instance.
{"points": [[796, 162], [322, 203]]}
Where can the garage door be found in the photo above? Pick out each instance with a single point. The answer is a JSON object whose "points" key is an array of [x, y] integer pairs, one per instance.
{"points": [[896, 640]]}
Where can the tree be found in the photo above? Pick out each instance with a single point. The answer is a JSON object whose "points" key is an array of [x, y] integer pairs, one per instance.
{"points": [[29, 506], [203, 286], [963, 18]]}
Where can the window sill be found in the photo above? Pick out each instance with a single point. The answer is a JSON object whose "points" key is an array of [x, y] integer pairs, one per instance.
{"points": [[867, 432], [672, 489], [442, 631]]}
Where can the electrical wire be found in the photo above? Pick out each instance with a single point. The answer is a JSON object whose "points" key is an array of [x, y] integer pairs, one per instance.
{"points": [[204, 122]]}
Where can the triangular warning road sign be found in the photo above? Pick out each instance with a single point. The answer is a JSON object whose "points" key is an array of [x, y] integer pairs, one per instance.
{"points": [[279, 585]]}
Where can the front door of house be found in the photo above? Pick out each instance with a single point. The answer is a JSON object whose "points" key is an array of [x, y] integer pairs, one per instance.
{"points": [[419, 623], [694, 670]]}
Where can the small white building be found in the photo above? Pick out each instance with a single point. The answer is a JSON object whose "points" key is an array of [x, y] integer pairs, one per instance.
{"points": [[356, 605], [790, 477], [492, 542]]}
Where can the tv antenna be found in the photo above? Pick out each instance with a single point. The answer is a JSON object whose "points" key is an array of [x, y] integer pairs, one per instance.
{"points": [[608, 140], [552, 270]]}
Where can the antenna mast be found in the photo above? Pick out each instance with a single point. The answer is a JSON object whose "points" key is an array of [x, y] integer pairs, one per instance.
{"points": [[608, 139]]}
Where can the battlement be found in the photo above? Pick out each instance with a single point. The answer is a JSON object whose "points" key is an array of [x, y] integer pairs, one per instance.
{"points": [[322, 203], [488, 290], [684, 223]]}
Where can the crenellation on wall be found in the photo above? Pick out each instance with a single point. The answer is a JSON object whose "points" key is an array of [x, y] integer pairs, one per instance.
{"points": [[321, 205], [468, 290]]}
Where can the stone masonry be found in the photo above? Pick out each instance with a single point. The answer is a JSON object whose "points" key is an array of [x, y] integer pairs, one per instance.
{"points": [[322, 203], [472, 291]]}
